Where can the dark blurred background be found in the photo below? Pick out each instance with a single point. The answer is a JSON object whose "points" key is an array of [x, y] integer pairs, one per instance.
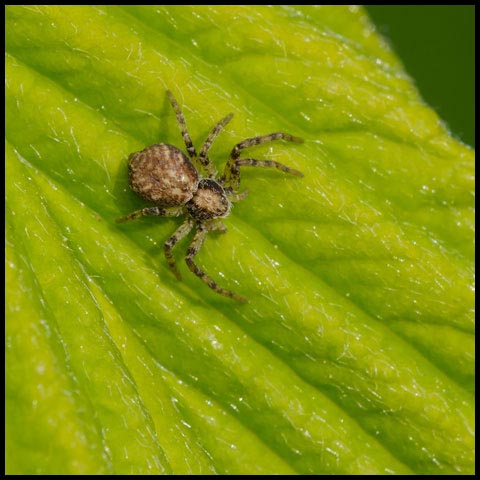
{"points": [[436, 43]]}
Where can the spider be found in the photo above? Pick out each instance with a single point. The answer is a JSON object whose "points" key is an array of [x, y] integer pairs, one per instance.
{"points": [[162, 174]]}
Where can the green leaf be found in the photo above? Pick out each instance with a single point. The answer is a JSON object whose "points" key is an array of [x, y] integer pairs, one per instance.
{"points": [[355, 352]]}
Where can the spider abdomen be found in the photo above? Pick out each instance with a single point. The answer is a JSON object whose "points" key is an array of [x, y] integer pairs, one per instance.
{"points": [[209, 201], [162, 174]]}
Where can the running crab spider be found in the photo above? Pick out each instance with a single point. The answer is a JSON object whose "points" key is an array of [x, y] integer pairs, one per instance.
{"points": [[163, 175]]}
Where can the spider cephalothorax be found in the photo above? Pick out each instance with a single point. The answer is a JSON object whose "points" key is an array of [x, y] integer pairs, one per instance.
{"points": [[164, 175]]}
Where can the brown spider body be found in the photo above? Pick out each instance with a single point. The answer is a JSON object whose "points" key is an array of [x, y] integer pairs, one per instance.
{"points": [[162, 174]]}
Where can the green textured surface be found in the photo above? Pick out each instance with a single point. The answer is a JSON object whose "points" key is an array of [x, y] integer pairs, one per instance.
{"points": [[355, 352]]}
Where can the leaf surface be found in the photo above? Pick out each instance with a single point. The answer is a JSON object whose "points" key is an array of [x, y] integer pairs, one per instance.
{"points": [[355, 352]]}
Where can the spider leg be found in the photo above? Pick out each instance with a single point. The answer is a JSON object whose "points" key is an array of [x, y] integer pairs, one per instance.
{"points": [[179, 233], [183, 126], [193, 249], [159, 211], [209, 168], [236, 197], [216, 225], [231, 175], [252, 162]]}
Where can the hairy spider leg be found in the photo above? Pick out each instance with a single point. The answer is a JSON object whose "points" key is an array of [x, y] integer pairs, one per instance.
{"points": [[183, 127], [193, 249], [159, 211], [215, 225], [236, 197], [231, 175], [252, 162], [209, 167], [182, 231]]}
